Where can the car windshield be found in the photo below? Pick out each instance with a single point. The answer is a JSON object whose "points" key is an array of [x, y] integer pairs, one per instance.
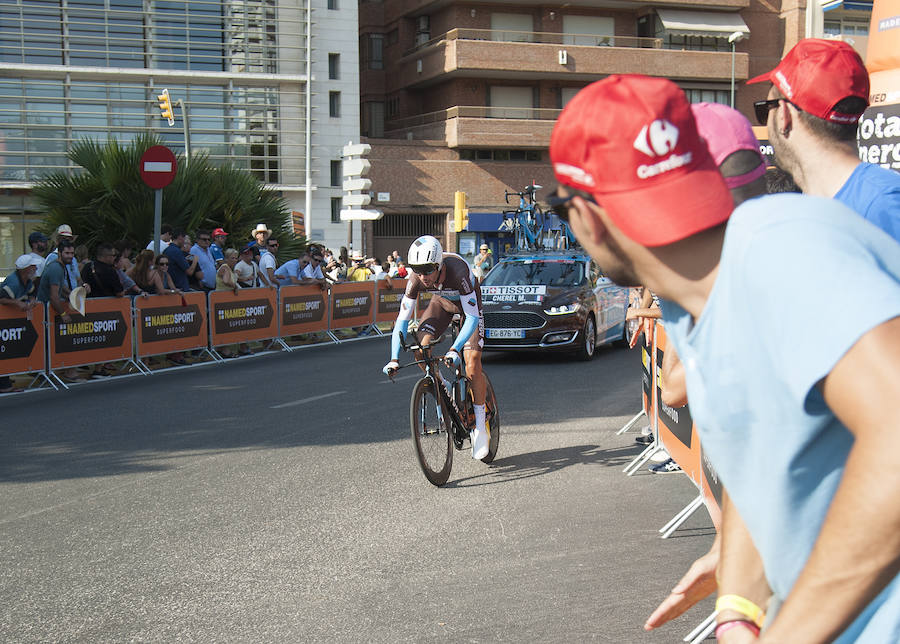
{"points": [[556, 273]]}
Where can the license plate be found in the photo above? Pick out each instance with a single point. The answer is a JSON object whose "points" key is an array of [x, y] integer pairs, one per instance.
{"points": [[505, 334]]}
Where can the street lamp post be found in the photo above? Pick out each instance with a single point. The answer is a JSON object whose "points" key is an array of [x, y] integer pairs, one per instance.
{"points": [[734, 38]]}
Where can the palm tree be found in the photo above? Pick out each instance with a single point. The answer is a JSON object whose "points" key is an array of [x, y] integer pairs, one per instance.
{"points": [[109, 201]]}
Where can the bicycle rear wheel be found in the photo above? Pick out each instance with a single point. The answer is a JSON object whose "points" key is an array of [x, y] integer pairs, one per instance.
{"points": [[431, 438], [492, 420]]}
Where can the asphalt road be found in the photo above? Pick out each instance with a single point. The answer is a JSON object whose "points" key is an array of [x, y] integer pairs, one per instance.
{"points": [[278, 498]]}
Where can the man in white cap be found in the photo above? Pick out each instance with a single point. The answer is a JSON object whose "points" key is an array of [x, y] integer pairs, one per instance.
{"points": [[19, 288]]}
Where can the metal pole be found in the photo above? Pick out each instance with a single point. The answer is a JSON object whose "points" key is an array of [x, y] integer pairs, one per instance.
{"points": [[732, 73], [157, 220], [187, 130], [308, 134]]}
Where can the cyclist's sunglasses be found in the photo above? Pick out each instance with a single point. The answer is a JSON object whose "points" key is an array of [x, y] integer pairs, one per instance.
{"points": [[424, 269]]}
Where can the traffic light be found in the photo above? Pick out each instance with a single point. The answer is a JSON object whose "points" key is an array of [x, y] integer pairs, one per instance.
{"points": [[356, 185], [460, 212], [165, 107]]}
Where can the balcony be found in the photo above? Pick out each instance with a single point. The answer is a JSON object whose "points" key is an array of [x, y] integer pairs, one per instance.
{"points": [[480, 127], [534, 56]]}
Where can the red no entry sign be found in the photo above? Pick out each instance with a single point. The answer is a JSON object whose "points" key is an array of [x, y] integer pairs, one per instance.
{"points": [[158, 167]]}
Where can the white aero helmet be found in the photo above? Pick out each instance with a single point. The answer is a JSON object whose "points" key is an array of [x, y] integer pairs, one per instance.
{"points": [[425, 253]]}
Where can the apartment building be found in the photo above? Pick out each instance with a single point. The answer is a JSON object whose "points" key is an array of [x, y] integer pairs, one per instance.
{"points": [[463, 96], [270, 85]]}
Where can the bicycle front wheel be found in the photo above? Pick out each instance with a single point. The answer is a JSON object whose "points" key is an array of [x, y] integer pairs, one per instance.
{"points": [[492, 420], [431, 438]]}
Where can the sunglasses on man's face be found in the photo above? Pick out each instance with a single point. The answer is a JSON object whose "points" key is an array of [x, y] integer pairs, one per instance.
{"points": [[273, 245], [163, 264], [762, 109], [559, 206]]}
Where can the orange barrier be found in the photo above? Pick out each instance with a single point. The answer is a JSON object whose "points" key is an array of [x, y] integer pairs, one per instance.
{"points": [[676, 428], [21, 340], [242, 317], [389, 299], [303, 309], [170, 323], [102, 334], [351, 304], [422, 303]]}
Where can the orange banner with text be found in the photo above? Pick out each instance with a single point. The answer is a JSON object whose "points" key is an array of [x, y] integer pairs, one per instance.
{"points": [[102, 334], [352, 304], [170, 323], [389, 294], [422, 303], [244, 316], [676, 427], [302, 309], [21, 339]]}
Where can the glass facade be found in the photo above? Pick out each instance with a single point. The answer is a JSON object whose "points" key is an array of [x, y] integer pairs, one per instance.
{"points": [[236, 119], [76, 69]]}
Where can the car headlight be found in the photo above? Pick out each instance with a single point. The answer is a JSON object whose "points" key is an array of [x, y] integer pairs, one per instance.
{"points": [[565, 309]]}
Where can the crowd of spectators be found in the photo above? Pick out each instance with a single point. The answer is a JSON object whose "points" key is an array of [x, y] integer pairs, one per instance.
{"points": [[174, 264]]}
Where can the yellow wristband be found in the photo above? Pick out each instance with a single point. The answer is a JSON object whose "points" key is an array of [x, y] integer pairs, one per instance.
{"points": [[743, 606]]}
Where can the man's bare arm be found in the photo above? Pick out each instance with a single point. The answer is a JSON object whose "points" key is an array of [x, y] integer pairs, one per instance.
{"points": [[857, 552]]}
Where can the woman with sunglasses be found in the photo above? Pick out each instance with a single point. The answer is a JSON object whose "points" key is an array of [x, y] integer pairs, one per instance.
{"points": [[455, 290], [152, 280]]}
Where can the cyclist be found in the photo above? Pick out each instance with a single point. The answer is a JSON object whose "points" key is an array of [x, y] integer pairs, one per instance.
{"points": [[455, 290]]}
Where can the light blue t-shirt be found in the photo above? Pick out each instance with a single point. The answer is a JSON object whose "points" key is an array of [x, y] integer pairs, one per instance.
{"points": [[288, 269], [874, 192], [755, 355], [207, 265], [313, 273]]}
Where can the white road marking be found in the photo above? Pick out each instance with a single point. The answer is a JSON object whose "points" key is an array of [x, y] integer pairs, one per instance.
{"points": [[412, 375], [294, 403]]}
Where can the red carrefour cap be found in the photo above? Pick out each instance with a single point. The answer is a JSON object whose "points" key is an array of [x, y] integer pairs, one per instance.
{"points": [[631, 141], [816, 74], [218, 231]]}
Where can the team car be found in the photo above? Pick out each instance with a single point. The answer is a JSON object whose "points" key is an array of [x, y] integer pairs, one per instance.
{"points": [[551, 300]]}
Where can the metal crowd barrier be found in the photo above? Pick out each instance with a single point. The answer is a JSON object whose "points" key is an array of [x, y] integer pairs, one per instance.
{"points": [[131, 330]]}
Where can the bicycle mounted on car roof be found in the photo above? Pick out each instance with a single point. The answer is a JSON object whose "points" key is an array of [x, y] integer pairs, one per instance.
{"points": [[534, 229]]}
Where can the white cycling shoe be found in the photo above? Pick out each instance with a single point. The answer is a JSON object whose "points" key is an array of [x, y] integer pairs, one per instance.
{"points": [[480, 441]]}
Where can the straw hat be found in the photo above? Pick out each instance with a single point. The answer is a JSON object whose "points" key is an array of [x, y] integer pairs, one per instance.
{"points": [[76, 299]]}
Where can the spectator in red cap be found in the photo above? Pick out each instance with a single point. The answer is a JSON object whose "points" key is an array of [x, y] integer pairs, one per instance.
{"points": [[217, 248], [818, 93], [790, 409]]}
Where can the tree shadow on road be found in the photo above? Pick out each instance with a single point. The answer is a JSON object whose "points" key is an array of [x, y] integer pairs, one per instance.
{"points": [[531, 464]]}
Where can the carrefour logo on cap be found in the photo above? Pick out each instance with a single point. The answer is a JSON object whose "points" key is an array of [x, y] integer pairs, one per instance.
{"points": [[657, 139]]}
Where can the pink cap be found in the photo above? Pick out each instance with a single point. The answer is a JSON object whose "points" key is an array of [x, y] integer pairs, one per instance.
{"points": [[726, 131], [632, 142]]}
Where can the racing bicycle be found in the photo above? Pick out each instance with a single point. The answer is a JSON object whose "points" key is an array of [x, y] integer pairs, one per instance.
{"points": [[527, 220], [441, 415]]}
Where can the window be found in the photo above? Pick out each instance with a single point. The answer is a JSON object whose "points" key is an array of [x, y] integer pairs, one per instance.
{"points": [[500, 155], [334, 104], [376, 51], [333, 4], [508, 102], [589, 31], [373, 119], [336, 174], [336, 204], [334, 66], [722, 96], [566, 94], [512, 27]]}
